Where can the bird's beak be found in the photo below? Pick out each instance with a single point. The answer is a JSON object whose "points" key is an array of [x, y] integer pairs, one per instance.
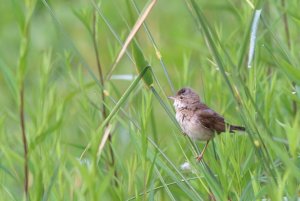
{"points": [[171, 97]]}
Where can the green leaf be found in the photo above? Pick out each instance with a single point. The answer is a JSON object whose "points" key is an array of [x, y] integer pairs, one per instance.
{"points": [[10, 79], [52, 182], [141, 63]]}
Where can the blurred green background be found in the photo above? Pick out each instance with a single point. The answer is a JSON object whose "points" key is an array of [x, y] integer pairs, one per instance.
{"points": [[47, 48]]}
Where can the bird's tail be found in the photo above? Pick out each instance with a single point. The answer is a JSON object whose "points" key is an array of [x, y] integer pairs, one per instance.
{"points": [[233, 128]]}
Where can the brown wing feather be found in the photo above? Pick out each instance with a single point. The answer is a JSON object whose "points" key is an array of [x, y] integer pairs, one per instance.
{"points": [[210, 119]]}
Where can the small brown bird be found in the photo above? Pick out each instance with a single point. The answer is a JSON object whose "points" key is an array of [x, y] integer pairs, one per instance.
{"points": [[197, 120]]}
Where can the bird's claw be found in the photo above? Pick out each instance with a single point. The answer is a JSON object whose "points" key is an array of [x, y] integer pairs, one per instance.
{"points": [[199, 158]]}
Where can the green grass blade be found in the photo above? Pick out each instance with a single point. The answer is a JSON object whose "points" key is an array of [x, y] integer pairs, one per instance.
{"points": [[10, 80], [157, 51], [141, 63], [119, 104], [165, 185], [52, 182]]}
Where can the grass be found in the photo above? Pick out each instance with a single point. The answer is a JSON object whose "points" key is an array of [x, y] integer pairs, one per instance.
{"points": [[91, 135]]}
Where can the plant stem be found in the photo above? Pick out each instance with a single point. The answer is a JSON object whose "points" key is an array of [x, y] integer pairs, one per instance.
{"points": [[101, 77], [286, 26], [22, 122], [288, 40]]}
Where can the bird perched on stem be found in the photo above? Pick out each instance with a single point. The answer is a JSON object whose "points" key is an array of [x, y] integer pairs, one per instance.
{"points": [[197, 120]]}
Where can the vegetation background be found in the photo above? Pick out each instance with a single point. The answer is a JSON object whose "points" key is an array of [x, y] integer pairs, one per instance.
{"points": [[76, 123]]}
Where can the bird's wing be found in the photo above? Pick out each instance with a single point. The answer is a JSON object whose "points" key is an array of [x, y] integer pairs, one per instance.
{"points": [[211, 120]]}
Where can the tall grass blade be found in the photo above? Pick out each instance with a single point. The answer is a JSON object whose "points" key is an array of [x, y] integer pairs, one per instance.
{"points": [[10, 79], [253, 36], [158, 54], [190, 191], [162, 186], [52, 182], [132, 33], [165, 185], [141, 63], [99, 11], [66, 39], [118, 105]]}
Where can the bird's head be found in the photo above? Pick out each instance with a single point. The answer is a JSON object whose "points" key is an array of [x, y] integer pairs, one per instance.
{"points": [[184, 98]]}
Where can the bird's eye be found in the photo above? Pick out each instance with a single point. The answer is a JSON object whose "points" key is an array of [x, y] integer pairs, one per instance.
{"points": [[181, 97], [181, 91]]}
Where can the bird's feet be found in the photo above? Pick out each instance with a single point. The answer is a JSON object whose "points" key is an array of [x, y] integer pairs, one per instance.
{"points": [[199, 158]]}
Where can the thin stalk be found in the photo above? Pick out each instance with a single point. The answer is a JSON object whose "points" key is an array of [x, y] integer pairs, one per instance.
{"points": [[286, 26], [101, 77], [163, 186], [24, 140], [24, 48], [288, 40], [157, 51]]}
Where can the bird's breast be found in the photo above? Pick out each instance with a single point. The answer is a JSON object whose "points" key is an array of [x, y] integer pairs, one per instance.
{"points": [[191, 125]]}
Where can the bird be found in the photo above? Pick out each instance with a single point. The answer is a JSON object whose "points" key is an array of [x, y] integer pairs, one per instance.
{"points": [[197, 120]]}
